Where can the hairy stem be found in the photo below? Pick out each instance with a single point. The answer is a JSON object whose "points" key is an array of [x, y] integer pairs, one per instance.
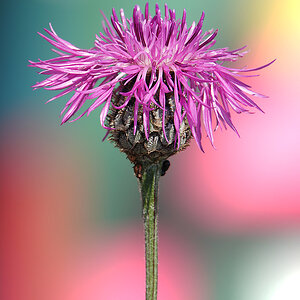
{"points": [[149, 192]]}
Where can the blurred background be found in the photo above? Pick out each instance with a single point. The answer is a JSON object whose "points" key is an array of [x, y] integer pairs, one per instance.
{"points": [[71, 226]]}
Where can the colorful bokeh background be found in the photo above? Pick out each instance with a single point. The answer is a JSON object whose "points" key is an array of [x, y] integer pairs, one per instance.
{"points": [[71, 225]]}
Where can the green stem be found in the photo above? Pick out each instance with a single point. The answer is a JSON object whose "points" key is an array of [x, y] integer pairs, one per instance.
{"points": [[149, 192]]}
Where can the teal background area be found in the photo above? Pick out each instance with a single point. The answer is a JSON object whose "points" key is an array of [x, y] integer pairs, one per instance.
{"points": [[46, 166], [78, 22]]}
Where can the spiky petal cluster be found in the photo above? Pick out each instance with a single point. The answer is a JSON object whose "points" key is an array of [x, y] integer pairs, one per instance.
{"points": [[154, 56]]}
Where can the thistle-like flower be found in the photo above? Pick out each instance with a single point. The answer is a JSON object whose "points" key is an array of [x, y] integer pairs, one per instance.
{"points": [[159, 82]]}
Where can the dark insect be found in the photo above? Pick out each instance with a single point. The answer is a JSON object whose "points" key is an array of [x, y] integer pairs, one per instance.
{"points": [[138, 170], [164, 168]]}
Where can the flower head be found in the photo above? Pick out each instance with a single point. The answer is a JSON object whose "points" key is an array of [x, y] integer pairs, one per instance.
{"points": [[150, 65]]}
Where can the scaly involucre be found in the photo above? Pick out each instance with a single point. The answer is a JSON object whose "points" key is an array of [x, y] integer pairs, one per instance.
{"points": [[155, 57]]}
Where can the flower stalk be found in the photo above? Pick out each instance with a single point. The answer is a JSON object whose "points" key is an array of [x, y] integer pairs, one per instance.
{"points": [[149, 192]]}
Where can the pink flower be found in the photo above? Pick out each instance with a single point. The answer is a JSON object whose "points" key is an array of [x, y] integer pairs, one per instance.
{"points": [[153, 57]]}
